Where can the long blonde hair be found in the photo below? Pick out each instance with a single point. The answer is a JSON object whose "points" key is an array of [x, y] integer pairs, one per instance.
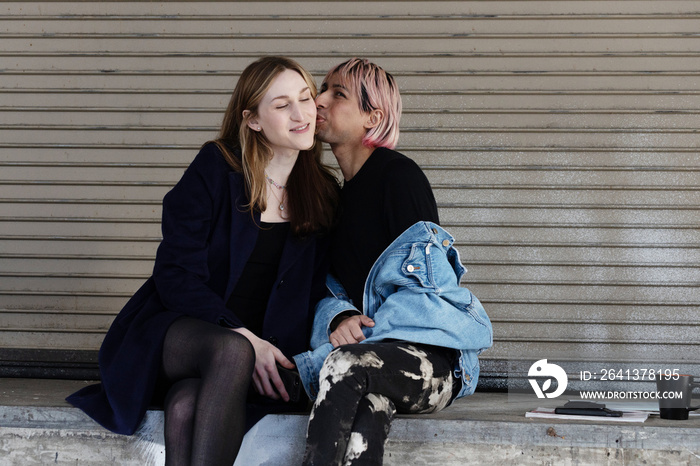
{"points": [[312, 189]]}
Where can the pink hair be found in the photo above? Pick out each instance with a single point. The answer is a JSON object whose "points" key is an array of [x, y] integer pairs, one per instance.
{"points": [[375, 89]]}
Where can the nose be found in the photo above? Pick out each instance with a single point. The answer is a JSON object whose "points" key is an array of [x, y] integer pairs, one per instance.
{"points": [[297, 113], [321, 100]]}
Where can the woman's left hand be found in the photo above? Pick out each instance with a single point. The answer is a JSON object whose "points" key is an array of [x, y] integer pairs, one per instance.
{"points": [[266, 378]]}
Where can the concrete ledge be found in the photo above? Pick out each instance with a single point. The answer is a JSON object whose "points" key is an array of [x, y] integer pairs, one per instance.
{"points": [[37, 427]]}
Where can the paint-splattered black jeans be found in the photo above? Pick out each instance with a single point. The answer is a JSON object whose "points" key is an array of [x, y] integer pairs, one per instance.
{"points": [[362, 386]]}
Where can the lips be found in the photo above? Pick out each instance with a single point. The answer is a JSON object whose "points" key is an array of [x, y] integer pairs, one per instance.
{"points": [[300, 129]]}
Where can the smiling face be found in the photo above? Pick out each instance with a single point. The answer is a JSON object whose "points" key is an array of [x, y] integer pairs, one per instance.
{"points": [[286, 115], [339, 120]]}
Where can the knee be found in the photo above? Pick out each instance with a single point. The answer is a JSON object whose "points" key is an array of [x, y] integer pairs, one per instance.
{"points": [[180, 402], [238, 345], [349, 363], [231, 347], [379, 405]]}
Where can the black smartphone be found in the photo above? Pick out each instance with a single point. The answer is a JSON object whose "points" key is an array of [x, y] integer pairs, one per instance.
{"points": [[292, 382], [586, 408]]}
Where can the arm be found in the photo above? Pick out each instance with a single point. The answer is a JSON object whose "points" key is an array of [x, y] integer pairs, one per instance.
{"points": [[181, 272], [341, 320], [309, 363], [329, 311]]}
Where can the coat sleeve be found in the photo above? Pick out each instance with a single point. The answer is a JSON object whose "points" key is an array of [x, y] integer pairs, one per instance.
{"points": [[309, 363], [182, 267]]}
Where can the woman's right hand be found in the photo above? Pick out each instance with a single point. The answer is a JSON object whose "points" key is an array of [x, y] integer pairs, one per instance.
{"points": [[266, 378]]}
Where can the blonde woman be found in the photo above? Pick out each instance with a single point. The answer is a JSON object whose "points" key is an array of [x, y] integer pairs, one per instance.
{"points": [[241, 266]]}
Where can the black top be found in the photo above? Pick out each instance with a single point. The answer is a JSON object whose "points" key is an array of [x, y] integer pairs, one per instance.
{"points": [[388, 195], [249, 298]]}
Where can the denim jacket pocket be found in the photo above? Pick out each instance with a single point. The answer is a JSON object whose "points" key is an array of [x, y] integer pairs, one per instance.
{"points": [[416, 269]]}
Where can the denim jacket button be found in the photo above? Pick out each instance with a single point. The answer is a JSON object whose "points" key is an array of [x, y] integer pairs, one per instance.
{"points": [[446, 242], [410, 268]]}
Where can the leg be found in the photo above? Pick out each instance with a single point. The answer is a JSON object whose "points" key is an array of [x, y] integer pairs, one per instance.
{"points": [[370, 430], [210, 408], [179, 411], [416, 378]]}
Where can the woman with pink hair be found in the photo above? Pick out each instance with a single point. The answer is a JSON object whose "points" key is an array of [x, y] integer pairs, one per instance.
{"points": [[360, 380]]}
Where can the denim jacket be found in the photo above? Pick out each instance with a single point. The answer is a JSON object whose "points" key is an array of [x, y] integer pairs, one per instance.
{"points": [[412, 293]]}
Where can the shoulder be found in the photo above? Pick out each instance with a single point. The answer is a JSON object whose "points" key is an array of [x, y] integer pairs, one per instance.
{"points": [[392, 161], [210, 160], [396, 168], [207, 177], [211, 168]]}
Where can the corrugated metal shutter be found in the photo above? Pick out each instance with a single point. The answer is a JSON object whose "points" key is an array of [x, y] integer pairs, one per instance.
{"points": [[560, 137]]}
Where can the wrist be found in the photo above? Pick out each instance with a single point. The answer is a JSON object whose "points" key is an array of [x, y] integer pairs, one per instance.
{"points": [[245, 332], [340, 318]]}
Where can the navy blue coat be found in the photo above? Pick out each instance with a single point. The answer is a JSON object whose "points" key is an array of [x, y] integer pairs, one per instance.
{"points": [[208, 235]]}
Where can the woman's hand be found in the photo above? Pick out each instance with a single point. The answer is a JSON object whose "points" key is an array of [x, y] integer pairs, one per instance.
{"points": [[350, 330], [266, 378]]}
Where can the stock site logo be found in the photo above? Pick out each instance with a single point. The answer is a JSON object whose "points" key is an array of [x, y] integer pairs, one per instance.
{"points": [[542, 368]]}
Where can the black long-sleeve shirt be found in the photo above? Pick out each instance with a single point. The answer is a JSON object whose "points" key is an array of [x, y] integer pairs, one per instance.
{"points": [[389, 194]]}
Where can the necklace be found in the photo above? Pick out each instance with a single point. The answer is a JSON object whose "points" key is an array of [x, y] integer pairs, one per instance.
{"points": [[273, 183], [281, 201], [278, 186]]}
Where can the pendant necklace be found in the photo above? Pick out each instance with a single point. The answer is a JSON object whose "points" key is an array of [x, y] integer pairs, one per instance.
{"points": [[278, 186]]}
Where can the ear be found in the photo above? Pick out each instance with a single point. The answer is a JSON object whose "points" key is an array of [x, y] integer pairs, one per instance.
{"points": [[374, 117], [252, 122]]}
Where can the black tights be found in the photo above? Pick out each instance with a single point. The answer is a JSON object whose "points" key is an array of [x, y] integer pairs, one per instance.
{"points": [[209, 370]]}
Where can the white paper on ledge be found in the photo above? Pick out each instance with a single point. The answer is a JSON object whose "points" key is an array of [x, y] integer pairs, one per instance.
{"points": [[548, 413], [652, 407]]}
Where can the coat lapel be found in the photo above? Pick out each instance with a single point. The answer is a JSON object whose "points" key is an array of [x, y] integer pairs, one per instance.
{"points": [[244, 233], [294, 248]]}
